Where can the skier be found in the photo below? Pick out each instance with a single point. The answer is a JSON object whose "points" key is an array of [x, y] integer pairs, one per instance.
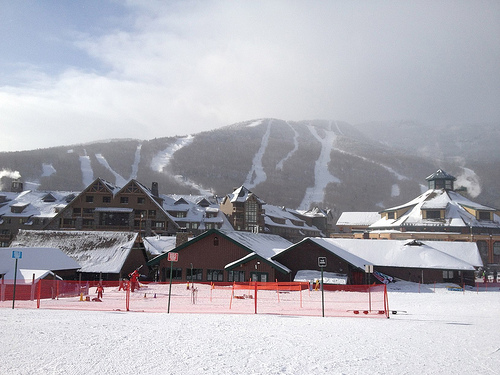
{"points": [[134, 277]]}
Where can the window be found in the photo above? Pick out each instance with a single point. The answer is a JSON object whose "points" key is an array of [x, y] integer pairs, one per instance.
{"points": [[141, 200], [433, 214], [77, 210], [106, 199], [216, 241], [124, 200], [391, 215], [236, 276], [251, 211], [176, 273], [194, 274], [496, 252], [152, 213], [483, 251], [447, 275], [89, 199], [158, 224], [484, 215], [194, 225], [88, 211], [215, 275]]}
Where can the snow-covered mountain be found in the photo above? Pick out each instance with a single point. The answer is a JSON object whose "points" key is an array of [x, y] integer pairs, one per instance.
{"points": [[329, 164]]}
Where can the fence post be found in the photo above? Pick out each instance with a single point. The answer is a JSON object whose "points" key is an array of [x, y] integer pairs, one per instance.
{"points": [[127, 297], [39, 293], [256, 297]]}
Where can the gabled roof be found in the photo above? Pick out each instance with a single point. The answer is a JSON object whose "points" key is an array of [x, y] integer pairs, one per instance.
{"points": [[242, 194], [95, 251], [395, 253], [262, 246]]}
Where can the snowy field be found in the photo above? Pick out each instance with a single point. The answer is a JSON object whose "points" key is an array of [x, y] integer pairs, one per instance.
{"points": [[442, 332]]}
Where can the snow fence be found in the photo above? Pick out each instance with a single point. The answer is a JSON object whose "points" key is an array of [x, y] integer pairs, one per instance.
{"points": [[292, 298]]}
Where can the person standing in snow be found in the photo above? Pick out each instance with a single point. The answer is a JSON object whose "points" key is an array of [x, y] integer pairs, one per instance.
{"points": [[99, 291]]}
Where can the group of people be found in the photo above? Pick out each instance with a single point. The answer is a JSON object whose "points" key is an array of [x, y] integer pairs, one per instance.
{"points": [[133, 280]]}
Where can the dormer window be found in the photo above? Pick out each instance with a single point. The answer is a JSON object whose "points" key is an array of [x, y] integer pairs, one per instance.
{"points": [[433, 214], [484, 215]]}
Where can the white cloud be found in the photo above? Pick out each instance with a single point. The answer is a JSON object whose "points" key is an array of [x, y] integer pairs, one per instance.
{"points": [[185, 67]]}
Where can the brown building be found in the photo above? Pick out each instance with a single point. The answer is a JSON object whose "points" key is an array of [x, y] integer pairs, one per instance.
{"points": [[105, 207], [224, 256], [244, 210]]}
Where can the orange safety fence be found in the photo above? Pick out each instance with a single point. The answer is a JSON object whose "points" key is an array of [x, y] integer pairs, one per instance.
{"points": [[285, 298]]}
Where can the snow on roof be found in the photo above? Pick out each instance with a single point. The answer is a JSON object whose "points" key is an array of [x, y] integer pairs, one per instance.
{"points": [[265, 245], [95, 251], [284, 214], [439, 199], [24, 276], [36, 258], [358, 218], [34, 203], [156, 245], [242, 194], [396, 253], [194, 212]]}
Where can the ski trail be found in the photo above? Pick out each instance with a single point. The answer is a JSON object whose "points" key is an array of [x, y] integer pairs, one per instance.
{"points": [[86, 168], [137, 159], [162, 159], [119, 180], [340, 132], [160, 163], [257, 174], [322, 177], [296, 144]]}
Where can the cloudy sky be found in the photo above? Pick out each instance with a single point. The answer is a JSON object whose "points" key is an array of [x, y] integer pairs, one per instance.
{"points": [[79, 71]]}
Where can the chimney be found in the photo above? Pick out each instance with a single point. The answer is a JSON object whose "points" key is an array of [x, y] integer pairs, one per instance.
{"points": [[17, 186], [181, 238], [154, 189]]}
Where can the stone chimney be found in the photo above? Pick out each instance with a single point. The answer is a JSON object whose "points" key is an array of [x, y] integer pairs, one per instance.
{"points": [[17, 186], [154, 189], [181, 238]]}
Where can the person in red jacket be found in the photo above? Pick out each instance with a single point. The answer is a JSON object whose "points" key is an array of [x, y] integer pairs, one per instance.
{"points": [[134, 277], [99, 291]]}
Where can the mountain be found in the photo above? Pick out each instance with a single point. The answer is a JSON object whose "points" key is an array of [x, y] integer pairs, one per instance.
{"points": [[330, 164]]}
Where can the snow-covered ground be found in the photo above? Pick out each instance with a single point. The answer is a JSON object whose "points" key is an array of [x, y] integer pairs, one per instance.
{"points": [[443, 332]]}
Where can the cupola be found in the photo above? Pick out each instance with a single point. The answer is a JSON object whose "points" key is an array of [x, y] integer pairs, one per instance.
{"points": [[441, 180]]}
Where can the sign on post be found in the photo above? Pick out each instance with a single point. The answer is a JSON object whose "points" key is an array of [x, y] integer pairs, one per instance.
{"points": [[16, 254], [322, 264], [173, 257]]}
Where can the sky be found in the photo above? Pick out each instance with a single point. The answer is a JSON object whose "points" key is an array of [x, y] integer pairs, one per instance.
{"points": [[73, 72]]}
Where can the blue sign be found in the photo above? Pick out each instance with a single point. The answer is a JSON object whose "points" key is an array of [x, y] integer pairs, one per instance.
{"points": [[17, 254]]}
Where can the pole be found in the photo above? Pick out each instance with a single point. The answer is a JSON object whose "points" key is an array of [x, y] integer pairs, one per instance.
{"points": [[322, 294], [170, 287], [15, 280]]}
